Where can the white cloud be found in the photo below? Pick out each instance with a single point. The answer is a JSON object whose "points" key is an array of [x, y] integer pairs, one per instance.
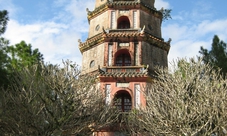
{"points": [[187, 40], [202, 10], [57, 38], [169, 31], [8, 5], [52, 39], [215, 27], [192, 29], [161, 3], [60, 3], [186, 48]]}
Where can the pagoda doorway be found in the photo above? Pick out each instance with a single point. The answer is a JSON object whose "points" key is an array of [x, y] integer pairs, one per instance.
{"points": [[123, 101]]}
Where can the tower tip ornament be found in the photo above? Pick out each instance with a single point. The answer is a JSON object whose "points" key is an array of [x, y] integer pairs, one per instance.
{"points": [[103, 30], [88, 11], [162, 10], [169, 41], [79, 41]]}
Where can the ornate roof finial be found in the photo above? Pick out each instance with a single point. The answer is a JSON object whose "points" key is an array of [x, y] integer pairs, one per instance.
{"points": [[169, 41], [161, 10], [103, 30], [88, 10], [142, 31], [79, 41]]}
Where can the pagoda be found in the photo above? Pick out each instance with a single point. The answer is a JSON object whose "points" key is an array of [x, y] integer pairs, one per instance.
{"points": [[123, 47]]}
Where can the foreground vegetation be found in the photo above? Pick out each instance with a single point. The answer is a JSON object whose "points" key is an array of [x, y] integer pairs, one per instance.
{"points": [[45, 99], [49, 100], [189, 101]]}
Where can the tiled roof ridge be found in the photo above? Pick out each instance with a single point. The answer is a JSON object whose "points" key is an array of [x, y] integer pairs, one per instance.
{"points": [[119, 34], [123, 74], [104, 6]]}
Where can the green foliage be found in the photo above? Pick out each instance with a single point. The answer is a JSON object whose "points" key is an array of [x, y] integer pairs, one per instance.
{"points": [[3, 63], [217, 56], [3, 43], [3, 21], [22, 55]]}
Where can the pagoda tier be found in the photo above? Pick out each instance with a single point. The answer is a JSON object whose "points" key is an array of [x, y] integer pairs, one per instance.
{"points": [[124, 5], [123, 74], [123, 47], [130, 35]]}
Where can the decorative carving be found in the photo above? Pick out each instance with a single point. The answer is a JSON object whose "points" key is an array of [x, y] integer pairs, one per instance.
{"points": [[103, 30], [161, 10], [88, 10], [124, 11], [123, 44], [79, 41], [122, 84], [169, 41], [142, 31]]}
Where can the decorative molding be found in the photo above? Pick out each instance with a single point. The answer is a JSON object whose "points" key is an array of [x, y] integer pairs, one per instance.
{"points": [[124, 11], [123, 44], [128, 4], [122, 84], [102, 37]]}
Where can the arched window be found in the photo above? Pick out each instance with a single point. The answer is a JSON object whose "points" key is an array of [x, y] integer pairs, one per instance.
{"points": [[123, 23], [123, 58], [123, 101], [92, 63]]}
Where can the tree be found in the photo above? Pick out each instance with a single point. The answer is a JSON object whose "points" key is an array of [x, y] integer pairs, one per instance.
{"points": [[191, 101], [4, 18], [22, 55], [3, 63], [217, 56], [52, 101], [3, 43]]}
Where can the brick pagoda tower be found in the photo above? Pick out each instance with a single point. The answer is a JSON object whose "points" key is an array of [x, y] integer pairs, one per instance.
{"points": [[124, 45]]}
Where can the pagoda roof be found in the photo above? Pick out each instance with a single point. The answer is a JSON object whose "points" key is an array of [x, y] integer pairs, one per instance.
{"points": [[105, 36], [123, 74], [123, 4]]}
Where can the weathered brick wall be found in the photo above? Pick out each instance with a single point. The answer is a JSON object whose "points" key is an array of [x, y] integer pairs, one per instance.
{"points": [[97, 54], [102, 20], [149, 2], [152, 23], [100, 2], [153, 56]]}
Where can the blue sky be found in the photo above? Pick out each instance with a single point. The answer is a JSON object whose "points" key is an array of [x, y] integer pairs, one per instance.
{"points": [[54, 26]]}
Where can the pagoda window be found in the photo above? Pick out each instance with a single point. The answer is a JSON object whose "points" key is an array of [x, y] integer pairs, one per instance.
{"points": [[123, 101], [136, 46], [134, 19], [123, 23], [110, 50], [113, 18], [108, 91], [92, 63], [137, 95], [123, 59]]}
